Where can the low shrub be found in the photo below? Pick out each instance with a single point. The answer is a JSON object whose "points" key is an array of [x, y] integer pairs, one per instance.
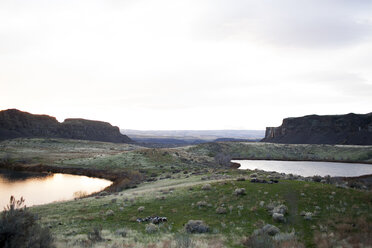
{"points": [[196, 226], [206, 187], [240, 191], [95, 235], [317, 178], [221, 210], [121, 232], [80, 194], [141, 208], [151, 228], [19, 228], [259, 241], [183, 240], [201, 204]]}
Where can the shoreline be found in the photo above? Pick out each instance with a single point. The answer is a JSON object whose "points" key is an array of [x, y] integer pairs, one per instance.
{"points": [[304, 160], [120, 180]]}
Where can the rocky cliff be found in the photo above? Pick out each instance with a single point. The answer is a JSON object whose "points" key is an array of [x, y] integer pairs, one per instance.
{"points": [[350, 129], [15, 124]]}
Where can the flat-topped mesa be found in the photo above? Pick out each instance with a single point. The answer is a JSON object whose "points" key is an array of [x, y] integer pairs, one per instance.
{"points": [[16, 124], [349, 129], [92, 130]]}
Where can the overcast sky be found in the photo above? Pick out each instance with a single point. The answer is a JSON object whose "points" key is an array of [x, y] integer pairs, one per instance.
{"points": [[193, 64]]}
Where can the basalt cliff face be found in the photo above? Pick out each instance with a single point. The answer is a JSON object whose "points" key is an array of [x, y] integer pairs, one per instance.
{"points": [[350, 129], [16, 124]]}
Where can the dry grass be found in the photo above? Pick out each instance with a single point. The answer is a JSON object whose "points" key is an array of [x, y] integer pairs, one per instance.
{"points": [[351, 232]]}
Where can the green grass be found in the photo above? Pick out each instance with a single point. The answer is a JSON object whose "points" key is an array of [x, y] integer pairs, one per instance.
{"points": [[54, 151], [285, 151], [342, 213], [180, 206]]}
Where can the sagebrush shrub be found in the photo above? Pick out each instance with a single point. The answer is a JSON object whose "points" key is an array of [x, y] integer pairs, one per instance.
{"points": [[95, 235], [19, 228]]}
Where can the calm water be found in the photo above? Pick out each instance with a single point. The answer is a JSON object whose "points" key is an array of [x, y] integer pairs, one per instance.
{"points": [[39, 188], [306, 168]]}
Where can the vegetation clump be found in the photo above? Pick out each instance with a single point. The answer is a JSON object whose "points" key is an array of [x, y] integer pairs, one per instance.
{"points": [[206, 187], [240, 191], [270, 229], [278, 217], [201, 204], [221, 210], [95, 235], [19, 228], [196, 226], [151, 228], [183, 240], [141, 208]]}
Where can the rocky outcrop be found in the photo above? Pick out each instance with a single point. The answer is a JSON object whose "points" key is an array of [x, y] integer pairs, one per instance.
{"points": [[91, 130], [15, 124], [350, 129]]}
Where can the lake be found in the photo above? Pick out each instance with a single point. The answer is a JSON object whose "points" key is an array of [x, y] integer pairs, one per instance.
{"points": [[307, 168], [39, 188]]}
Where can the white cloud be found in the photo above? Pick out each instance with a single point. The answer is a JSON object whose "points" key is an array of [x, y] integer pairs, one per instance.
{"points": [[185, 64]]}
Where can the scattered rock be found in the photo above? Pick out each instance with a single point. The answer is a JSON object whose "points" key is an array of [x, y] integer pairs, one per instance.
{"points": [[152, 219], [256, 180], [240, 179]]}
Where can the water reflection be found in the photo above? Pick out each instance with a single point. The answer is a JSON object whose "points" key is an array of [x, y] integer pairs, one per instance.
{"points": [[308, 168], [38, 188], [13, 176]]}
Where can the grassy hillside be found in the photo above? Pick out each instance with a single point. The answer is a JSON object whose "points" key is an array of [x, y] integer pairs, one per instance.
{"points": [[338, 213], [286, 152], [190, 183]]}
